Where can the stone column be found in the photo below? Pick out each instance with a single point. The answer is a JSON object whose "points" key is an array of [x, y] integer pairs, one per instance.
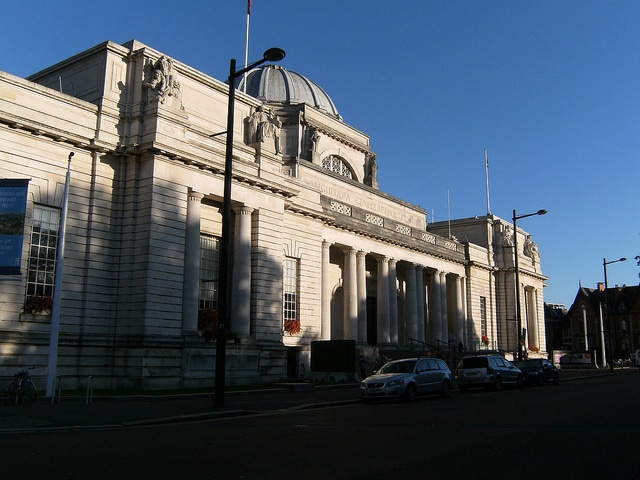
{"points": [[393, 303], [325, 308], [420, 302], [191, 282], [350, 295], [362, 296], [444, 307], [383, 302], [532, 318], [241, 290], [459, 329], [411, 313], [435, 312]]}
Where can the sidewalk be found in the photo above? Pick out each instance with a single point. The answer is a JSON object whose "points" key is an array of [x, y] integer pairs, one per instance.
{"points": [[72, 413]]}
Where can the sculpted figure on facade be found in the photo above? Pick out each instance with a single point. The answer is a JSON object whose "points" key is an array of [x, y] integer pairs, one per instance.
{"points": [[161, 80], [265, 126], [531, 249], [371, 170], [314, 140], [506, 239]]}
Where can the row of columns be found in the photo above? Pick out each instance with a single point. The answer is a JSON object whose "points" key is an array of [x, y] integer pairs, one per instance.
{"points": [[241, 282], [354, 284], [387, 322]]}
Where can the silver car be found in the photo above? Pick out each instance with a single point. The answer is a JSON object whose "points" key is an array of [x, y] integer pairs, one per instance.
{"points": [[408, 378], [490, 371]]}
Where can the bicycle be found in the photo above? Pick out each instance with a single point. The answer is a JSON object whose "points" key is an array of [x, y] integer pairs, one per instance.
{"points": [[21, 389]]}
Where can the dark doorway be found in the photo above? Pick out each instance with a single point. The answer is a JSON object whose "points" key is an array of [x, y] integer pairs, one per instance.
{"points": [[293, 359], [372, 320]]}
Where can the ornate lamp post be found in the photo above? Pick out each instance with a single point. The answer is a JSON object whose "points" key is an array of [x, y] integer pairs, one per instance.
{"points": [[224, 292], [606, 303], [515, 248]]}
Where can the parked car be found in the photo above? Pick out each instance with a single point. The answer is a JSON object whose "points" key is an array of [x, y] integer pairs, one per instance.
{"points": [[408, 378], [539, 371], [489, 371]]}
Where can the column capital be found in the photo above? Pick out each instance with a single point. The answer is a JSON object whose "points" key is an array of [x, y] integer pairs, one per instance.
{"points": [[383, 259], [194, 196], [243, 210]]}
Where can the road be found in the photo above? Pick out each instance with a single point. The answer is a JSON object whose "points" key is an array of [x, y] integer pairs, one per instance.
{"points": [[580, 429]]}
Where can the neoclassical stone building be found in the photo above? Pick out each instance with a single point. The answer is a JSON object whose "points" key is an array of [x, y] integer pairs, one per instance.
{"points": [[318, 251]]}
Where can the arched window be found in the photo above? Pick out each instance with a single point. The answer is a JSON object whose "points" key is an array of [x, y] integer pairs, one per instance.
{"points": [[337, 165]]}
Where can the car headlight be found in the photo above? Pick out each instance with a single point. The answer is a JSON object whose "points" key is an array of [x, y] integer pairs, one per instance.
{"points": [[394, 383]]}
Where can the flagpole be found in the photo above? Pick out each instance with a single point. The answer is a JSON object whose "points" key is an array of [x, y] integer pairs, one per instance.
{"points": [[486, 175], [246, 48], [57, 289], [449, 213]]}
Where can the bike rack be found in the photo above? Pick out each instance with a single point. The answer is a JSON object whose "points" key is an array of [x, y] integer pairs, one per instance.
{"points": [[57, 391], [89, 397]]}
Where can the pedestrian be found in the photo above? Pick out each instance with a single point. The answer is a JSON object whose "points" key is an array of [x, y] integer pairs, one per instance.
{"points": [[363, 367], [382, 359]]}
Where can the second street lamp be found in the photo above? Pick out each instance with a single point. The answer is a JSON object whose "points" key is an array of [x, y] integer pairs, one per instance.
{"points": [[516, 217], [224, 292], [606, 304]]}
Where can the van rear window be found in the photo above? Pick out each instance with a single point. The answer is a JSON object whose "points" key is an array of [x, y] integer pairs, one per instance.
{"points": [[474, 362]]}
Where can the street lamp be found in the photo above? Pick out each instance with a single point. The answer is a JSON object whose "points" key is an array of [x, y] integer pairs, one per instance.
{"points": [[606, 300], [515, 247], [224, 305]]}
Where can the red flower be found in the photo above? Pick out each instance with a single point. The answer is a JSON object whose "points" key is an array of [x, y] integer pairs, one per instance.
{"points": [[292, 326], [208, 324]]}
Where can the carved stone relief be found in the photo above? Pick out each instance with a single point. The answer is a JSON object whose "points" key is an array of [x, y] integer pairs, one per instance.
{"points": [[160, 79], [264, 129]]}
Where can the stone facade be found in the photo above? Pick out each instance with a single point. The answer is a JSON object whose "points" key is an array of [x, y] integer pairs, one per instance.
{"points": [[311, 231]]}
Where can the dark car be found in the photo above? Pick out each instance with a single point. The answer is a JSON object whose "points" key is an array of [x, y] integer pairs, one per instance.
{"points": [[538, 371]]}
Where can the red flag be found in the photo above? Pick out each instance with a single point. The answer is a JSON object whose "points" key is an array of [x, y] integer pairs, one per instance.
{"points": [[248, 7]]}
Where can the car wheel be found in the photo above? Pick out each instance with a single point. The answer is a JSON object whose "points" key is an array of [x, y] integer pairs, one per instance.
{"points": [[519, 382], [445, 391], [540, 380], [411, 393], [556, 379], [497, 385]]}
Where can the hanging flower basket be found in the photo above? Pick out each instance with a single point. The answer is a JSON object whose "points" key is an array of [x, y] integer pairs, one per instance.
{"points": [[292, 326], [208, 325], [38, 304], [533, 348], [486, 340]]}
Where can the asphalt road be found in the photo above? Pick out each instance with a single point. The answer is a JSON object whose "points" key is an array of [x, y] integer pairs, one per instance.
{"points": [[582, 429]]}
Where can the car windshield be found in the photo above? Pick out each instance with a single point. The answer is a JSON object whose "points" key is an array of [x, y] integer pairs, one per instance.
{"points": [[530, 364], [399, 367]]}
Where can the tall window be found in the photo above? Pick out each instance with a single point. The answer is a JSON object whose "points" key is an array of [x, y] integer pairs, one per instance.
{"points": [[45, 230], [209, 268], [290, 300], [483, 316]]}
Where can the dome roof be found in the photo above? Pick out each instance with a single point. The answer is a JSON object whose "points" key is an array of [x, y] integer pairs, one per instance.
{"points": [[276, 84]]}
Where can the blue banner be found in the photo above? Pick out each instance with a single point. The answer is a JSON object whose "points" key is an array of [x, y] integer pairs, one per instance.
{"points": [[13, 204]]}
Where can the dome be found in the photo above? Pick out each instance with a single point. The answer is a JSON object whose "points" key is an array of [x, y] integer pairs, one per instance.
{"points": [[276, 84]]}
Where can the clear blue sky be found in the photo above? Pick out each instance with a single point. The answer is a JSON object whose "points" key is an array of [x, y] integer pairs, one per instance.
{"points": [[550, 88]]}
